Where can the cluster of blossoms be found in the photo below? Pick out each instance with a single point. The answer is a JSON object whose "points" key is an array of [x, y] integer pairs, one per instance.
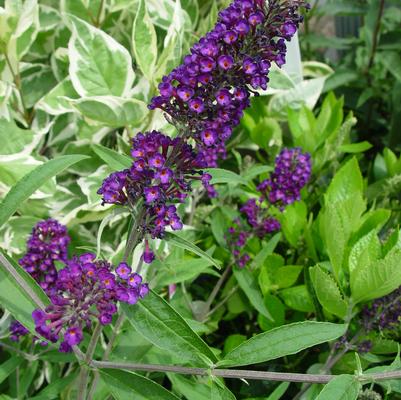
{"points": [[291, 173], [48, 243], [210, 90], [86, 289], [161, 174]]}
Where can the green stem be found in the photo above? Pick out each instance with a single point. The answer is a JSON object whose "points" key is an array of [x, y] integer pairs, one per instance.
{"points": [[84, 374]]}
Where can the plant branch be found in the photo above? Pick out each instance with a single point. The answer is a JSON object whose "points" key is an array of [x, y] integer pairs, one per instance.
{"points": [[242, 374], [106, 353], [84, 374], [215, 291], [376, 34]]}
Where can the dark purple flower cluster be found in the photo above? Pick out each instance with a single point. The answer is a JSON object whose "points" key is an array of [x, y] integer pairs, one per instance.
{"points": [[86, 289], [209, 92], [48, 243], [17, 330], [291, 173], [383, 313], [161, 174]]}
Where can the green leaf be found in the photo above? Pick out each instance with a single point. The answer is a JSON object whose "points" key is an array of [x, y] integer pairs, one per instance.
{"points": [[327, 292], [346, 182], [56, 101], [144, 41], [182, 243], [249, 285], [293, 221], [342, 387], [365, 252], [9, 366], [378, 279], [128, 385], [56, 387], [287, 275], [181, 271], [15, 299], [266, 251], [220, 392], [279, 391], [16, 142], [224, 176], [355, 147], [297, 298], [159, 323], [282, 341], [189, 387], [114, 160], [99, 66], [33, 181], [111, 110]]}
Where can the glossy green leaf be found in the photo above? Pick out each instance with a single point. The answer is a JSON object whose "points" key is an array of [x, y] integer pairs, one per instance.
{"points": [[266, 251], [182, 243], [327, 292], [144, 41], [279, 391], [126, 385], [282, 341], [114, 160], [342, 387], [33, 181], [159, 323]]}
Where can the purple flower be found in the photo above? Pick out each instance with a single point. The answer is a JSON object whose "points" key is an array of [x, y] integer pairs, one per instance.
{"points": [[123, 270], [196, 105], [17, 330], [148, 255], [48, 243], [235, 56], [225, 62], [223, 97], [209, 137], [73, 336], [152, 193], [85, 290], [292, 172]]}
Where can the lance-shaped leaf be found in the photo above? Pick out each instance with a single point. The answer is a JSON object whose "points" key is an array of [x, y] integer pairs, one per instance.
{"points": [[33, 181], [114, 160], [282, 341], [179, 241], [128, 385], [160, 324]]}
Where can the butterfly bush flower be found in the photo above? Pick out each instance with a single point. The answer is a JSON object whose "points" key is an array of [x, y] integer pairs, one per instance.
{"points": [[291, 173], [48, 243], [86, 290], [208, 93], [17, 330], [161, 175]]}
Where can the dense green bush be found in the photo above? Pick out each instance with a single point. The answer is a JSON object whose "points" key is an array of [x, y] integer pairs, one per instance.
{"points": [[320, 296]]}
